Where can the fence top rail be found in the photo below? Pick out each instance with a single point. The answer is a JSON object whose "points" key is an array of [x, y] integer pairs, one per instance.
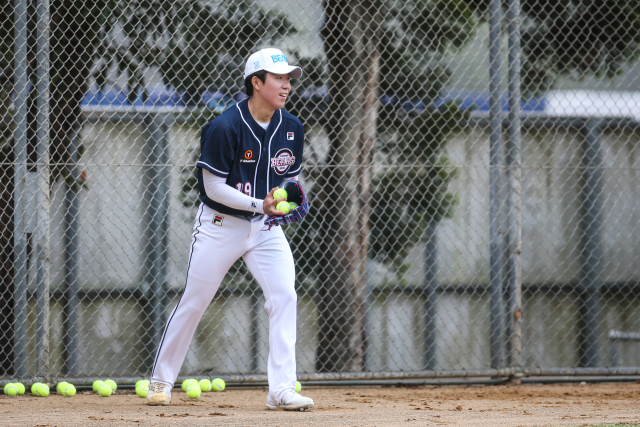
{"points": [[624, 336]]}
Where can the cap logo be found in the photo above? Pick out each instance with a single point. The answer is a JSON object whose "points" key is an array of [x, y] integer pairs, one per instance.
{"points": [[278, 58], [256, 65]]}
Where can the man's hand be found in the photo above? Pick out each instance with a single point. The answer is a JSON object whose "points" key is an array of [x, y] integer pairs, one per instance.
{"points": [[270, 204], [296, 194]]}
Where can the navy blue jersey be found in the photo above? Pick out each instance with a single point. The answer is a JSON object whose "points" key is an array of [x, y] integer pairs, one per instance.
{"points": [[235, 147]]}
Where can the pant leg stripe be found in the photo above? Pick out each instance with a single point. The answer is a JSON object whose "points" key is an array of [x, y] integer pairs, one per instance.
{"points": [[183, 291]]}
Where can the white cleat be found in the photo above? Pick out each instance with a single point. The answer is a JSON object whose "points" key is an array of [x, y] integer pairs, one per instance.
{"points": [[159, 394], [290, 401]]}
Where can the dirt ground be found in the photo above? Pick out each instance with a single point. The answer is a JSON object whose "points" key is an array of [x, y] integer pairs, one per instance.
{"points": [[524, 405]]}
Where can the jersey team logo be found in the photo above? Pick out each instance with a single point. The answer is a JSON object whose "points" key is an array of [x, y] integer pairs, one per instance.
{"points": [[283, 160]]}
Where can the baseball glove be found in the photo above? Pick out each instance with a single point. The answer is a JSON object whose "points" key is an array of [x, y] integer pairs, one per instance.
{"points": [[296, 194]]}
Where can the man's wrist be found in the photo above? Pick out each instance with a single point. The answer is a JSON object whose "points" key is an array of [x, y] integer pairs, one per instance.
{"points": [[257, 206]]}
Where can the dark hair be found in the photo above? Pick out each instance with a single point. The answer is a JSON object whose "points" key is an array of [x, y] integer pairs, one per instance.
{"points": [[248, 86]]}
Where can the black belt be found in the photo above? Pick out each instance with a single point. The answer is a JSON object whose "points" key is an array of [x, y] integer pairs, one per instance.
{"points": [[246, 216]]}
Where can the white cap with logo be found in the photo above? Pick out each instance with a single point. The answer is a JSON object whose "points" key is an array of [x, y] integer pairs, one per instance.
{"points": [[272, 61]]}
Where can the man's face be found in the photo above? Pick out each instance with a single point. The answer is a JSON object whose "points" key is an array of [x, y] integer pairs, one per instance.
{"points": [[275, 89]]}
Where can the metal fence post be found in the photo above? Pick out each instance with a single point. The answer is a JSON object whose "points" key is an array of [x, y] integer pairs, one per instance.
{"points": [[42, 228], [367, 317], [590, 224], [430, 296], [495, 170], [158, 191], [71, 339], [255, 330], [20, 173], [514, 198]]}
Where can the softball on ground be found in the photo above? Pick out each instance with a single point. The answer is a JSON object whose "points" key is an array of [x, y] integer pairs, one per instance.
{"points": [[20, 388], [142, 388], [112, 384], [205, 385], [96, 385], [67, 390], [60, 386], [40, 389], [105, 390], [218, 384], [298, 386], [283, 207], [185, 383], [193, 389], [280, 193], [11, 390]]}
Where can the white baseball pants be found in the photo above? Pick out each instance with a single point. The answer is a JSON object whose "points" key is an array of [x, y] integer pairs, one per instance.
{"points": [[214, 249]]}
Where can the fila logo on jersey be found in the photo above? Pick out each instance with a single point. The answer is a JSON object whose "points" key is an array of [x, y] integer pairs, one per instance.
{"points": [[217, 220], [283, 160], [290, 136]]}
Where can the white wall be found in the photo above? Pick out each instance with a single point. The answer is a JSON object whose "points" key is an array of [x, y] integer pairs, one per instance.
{"points": [[112, 224]]}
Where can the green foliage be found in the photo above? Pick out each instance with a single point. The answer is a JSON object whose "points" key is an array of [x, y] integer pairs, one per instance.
{"points": [[415, 35], [77, 34], [307, 99], [195, 45], [411, 189], [6, 67], [6, 40], [404, 202], [574, 37], [304, 238], [577, 36]]}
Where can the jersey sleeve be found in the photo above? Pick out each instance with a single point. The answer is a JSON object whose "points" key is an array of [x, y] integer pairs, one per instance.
{"points": [[295, 169], [217, 149]]}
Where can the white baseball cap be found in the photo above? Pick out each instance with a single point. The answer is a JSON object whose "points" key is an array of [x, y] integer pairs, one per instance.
{"points": [[272, 61]]}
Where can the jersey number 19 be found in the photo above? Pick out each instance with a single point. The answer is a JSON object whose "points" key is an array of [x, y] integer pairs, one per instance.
{"points": [[247, 188]]}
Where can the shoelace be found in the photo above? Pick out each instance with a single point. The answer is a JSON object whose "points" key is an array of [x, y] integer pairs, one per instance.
{"points": [[158, 387]]}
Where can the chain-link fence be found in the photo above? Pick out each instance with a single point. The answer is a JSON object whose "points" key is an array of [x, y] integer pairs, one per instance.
{"points": [[475, 194]]}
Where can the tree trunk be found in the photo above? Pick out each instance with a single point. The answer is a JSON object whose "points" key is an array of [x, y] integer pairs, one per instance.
{"points": [[350, 40], [71, 67]]}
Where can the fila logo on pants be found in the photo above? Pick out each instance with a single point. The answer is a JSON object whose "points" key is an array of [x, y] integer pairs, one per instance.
{"points": [[217, 220]]}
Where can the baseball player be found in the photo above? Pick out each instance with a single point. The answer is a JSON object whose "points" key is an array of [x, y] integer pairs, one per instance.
{"points": [[246, 154]]}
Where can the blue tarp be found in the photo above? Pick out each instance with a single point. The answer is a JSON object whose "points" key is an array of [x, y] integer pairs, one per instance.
{"points": [[113, 96]]}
